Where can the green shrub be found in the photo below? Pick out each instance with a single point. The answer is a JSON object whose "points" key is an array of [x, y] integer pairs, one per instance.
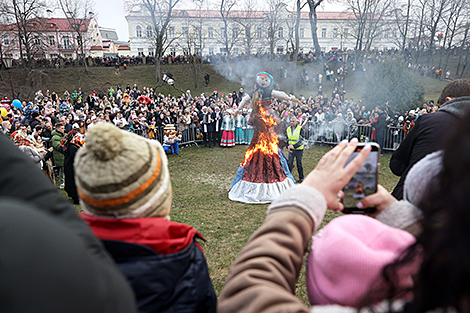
{"points": [[391, 81]]}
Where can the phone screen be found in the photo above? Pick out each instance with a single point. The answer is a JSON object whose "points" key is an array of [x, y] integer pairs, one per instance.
{"points": [[362, 184]]}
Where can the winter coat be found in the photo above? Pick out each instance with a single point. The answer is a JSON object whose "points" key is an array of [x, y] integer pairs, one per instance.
{"points": [[263, 277], [48, 251], [427, 136], [162, 260], [56, 154]]}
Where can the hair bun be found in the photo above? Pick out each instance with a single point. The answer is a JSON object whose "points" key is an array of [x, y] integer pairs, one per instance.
{"points": [[104, 140]]}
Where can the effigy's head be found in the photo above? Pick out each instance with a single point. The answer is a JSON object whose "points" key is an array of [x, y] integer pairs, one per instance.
{"points": [[264, 79]]}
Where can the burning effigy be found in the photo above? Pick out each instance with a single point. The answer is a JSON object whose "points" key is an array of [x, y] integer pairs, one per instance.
{"points": [[263, 175]]}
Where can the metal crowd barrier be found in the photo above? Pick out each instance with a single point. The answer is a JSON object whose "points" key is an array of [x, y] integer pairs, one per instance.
{"points": [[188, 136], [327, 133], [331, 133]]}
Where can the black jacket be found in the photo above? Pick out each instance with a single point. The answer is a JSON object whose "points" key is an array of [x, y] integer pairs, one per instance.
{"points": [[425, 137], [177, 282], [51, 261]]}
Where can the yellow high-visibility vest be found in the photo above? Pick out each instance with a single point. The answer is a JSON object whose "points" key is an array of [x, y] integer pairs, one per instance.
{"points": [[294, 137]]}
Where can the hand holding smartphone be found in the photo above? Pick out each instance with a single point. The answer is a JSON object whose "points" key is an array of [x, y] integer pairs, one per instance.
{"points": [[363, 183]]}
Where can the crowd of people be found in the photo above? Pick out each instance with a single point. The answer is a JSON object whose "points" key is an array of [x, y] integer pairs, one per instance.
{"points": [[123, 254]]}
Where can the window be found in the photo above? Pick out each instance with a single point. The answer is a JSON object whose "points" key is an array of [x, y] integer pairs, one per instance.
{"points": [[140, 52], [184, 31], [291, 32], [280, 50], [197, 32], [37, 40], [211, 50], [66, 41], [280, 32], [149, 32], [335, 32], [235, 51], [248, 32], [259, 32], [386, 34], [394, 33], [79, 40], [172, 31], [6, 40], [301, 32], [346, 33], [223, 34], [223, 50], [150, 51], [323, 33], [210, 32], [138, 31], [235, 32]]}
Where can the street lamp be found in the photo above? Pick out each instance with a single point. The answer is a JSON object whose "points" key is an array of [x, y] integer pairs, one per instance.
{"points": [[8, 63]]}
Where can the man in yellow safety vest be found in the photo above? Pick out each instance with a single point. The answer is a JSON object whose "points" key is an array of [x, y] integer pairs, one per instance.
{"points": [[295, 135]]}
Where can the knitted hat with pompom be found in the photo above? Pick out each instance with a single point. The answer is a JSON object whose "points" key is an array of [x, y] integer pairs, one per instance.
{"points": [[120, 174]]}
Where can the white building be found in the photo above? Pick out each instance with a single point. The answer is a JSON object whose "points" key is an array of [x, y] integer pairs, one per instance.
{"points": [[193, 30]]}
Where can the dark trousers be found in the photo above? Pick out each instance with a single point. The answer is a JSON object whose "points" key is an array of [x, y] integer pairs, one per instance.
{"points": [[208, 137], [217, 137], [379, 138], [297, 154]]}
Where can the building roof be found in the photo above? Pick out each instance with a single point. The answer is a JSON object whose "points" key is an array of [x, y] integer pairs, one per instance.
{"points": [[108, 33], [50, 24], [252, 14]]}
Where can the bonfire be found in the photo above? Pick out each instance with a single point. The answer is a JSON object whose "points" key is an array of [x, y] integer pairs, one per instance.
{"points": [[263, 174]]}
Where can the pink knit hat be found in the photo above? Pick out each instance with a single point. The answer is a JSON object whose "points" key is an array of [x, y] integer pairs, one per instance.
{"points": [[347, 257]]}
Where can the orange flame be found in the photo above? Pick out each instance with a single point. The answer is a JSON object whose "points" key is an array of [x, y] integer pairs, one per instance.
{"points": [[267, 141]]}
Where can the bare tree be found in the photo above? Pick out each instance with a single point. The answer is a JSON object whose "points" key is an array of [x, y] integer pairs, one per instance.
{"points": [[462, 49], [298, 6], [227, 38], [371, 16], [312, 16], [402, 20], [453, 22], [161, 13], [273, 23], [246, 19], [27, 16], [420, 17], [78, 13], [436, 9]]}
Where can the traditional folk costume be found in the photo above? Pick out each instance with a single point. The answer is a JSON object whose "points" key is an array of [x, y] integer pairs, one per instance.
{"points": [[264, 173], [239, 132], [228, 128], [249, 131]]}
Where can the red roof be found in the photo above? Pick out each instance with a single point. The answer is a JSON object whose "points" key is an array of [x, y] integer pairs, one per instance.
{"points": [[124, 48], [50, 24]]}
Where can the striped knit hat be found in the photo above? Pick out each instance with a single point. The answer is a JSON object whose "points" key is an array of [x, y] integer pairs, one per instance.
{"points": [[120, 174]]}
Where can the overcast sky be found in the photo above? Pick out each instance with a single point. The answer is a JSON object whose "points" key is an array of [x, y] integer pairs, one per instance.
{"points": [[111, 13]]}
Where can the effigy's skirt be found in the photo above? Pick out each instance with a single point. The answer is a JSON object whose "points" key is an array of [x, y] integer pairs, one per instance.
{"points": [[262, 179]]}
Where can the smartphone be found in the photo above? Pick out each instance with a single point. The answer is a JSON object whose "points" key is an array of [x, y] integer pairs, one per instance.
{"points": [[364, 182]]}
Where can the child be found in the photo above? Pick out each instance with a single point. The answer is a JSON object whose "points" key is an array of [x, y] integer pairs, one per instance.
{"points": [[124, 188]]}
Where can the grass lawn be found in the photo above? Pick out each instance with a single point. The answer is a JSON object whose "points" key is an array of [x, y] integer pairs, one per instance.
{"points": [[201, 179]]}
